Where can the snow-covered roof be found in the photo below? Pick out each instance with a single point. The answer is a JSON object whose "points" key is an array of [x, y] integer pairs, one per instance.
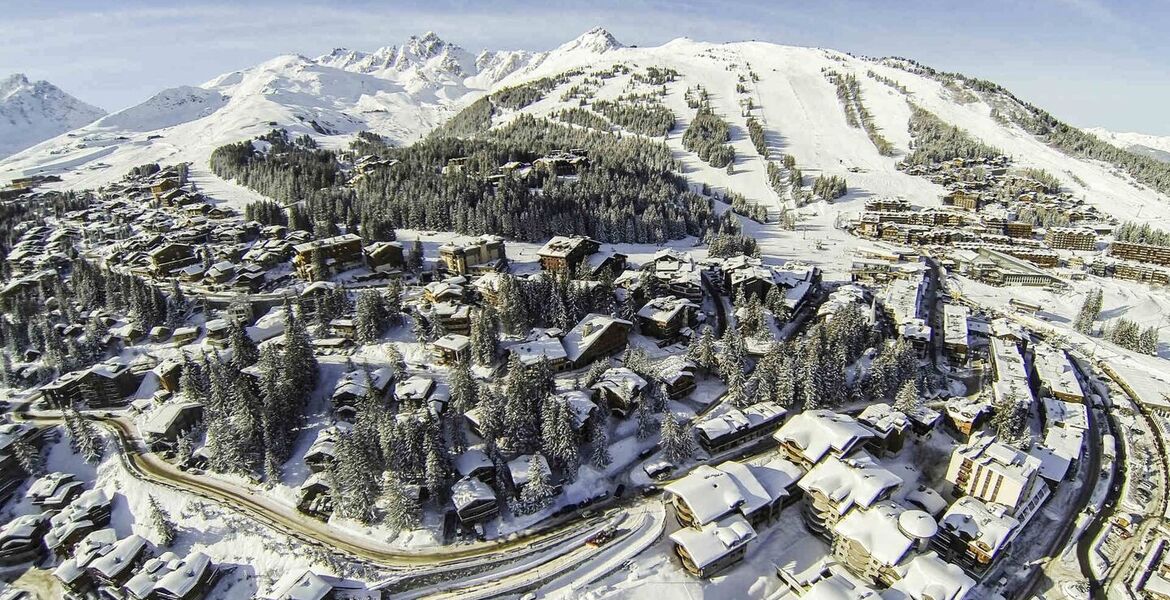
{"points": [[665, 309], [468, 491], [1066, 415], [301, 584], [471, 460], [1056, 372], [561, 246], [543, 347], [817, 432], [1060, 448], [715, 540], [621, 382], [120, 556], [52, 488], [161, 420], [989, 526], [731, 420], [581, 338], [580, 404], [710, 493], [859, 481], [882, 418], [885, 530], [186, 574], [674, 367], [354, 382], [519, 467], [955, 323], [453, 342], [987, 452], [416, 387], [838, 586], [93, 546], [928, 577]]}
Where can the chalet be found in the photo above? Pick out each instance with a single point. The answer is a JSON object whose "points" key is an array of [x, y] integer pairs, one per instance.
{"points": [[186, 579], [167, 424], [316, 496], [973, 534], [217, 332], [336, 254], [594, 337], [384, 257], [89, 512], [474, 501], [757, 492], [172, 256], [455, 318], [305, 584], [731, 427], [997, 473], [316, 293], [102, 385], [609, 263], [582, 409], [483, 253], [447, 290], [620, 389], [566, 253], [675, 273], [452, 349], [667, 318], [220, 272], [966, 414], [474, 463], [520, 468], [116, 566], [320, 455], [877, 541], [888, 425], [415, 390], [21, 539], [73, 572], [927, 576], [185, 335], [836, 485], [343, 328], [353, 386], [677, 374], [54, 491], [714, 547], [814, 435], [542, 347]]}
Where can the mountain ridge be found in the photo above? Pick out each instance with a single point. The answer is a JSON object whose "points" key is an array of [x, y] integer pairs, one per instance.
{"points": [[33, 111]]}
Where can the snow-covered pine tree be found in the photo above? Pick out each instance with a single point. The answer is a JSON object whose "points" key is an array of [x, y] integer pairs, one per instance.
{"points": [[370, 317], [245, 353], [647, 424], [677, 442], [28, 458], [437, 472], [484, 343], [393, 303], [601, 457], [159, 521], [402, 509], [537, 493], [907, 398]]}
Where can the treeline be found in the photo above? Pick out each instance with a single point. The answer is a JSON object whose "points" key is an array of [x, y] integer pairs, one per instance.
{"points": [[849, 95], [1129, 335], [628, 192], [726, 238], [742, 206], [707, 135], [756, 133], [519, 96], [582, 117], [643, 118], [829, 187], [889, 82], [469, 122], [288, 171], [1141, 234], [937, 141], [1056, 133]]}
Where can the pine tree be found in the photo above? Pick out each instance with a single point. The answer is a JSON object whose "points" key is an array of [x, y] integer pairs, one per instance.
{"points": [[677, 442], [370, 318], [393, 303], [245, 353], [85, 438], [415, 260], [537, 493], [601, 457], [28, 458], [484, 343], [1090, 310], [402, 509], [1148, 341], [1011, 423], [159, 521], [907, 399], [394, 360], [647, 424], [436, 473]]}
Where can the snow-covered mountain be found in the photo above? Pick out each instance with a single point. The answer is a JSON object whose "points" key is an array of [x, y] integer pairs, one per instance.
{"points": [[31, 112], [1155, 146], [404, 91]]}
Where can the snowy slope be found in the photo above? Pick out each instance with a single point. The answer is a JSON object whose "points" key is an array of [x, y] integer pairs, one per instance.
{"points": [[403, 91], [31, 112], [1151, 145]]}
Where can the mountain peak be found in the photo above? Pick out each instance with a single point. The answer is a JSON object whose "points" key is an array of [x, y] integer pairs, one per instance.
{"points": [[596, 40], [31, 112]]}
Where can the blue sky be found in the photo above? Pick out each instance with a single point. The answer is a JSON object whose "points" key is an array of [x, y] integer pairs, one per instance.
{"points": [[1090, 62]]}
